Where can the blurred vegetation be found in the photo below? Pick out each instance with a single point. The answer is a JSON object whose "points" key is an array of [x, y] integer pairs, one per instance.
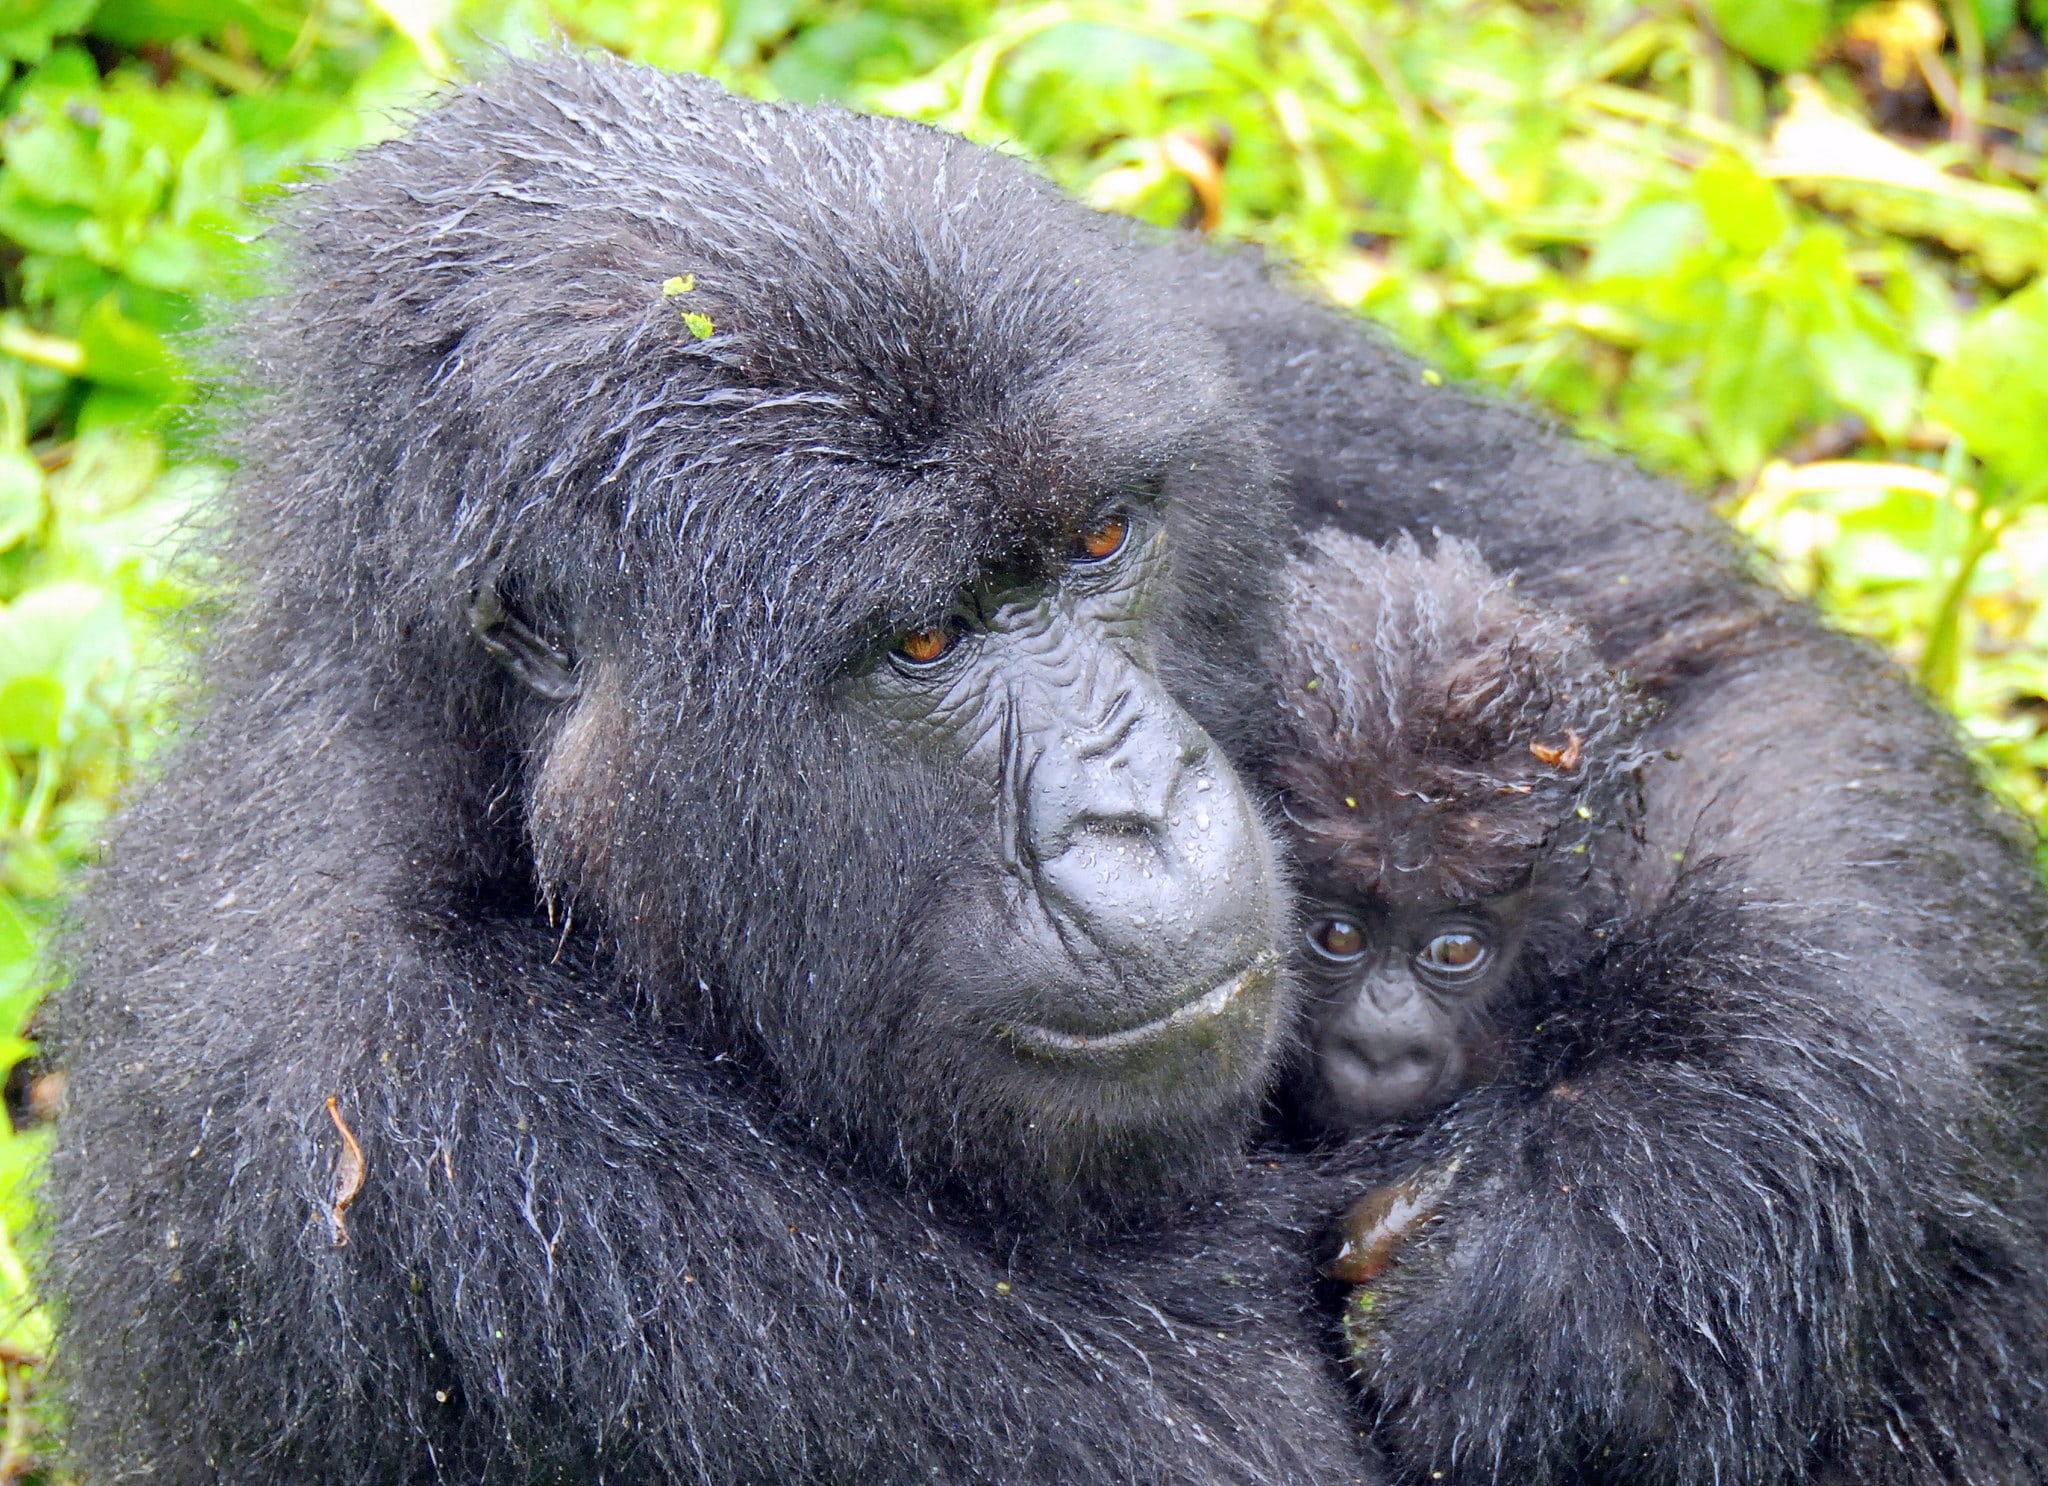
{"points": [[1789, 251]]}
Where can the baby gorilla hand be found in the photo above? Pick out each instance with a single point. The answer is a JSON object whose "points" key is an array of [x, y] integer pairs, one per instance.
{"points": [[1372, 1235], [1378, 1225]]}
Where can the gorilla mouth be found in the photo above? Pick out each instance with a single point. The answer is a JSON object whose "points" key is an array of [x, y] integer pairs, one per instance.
{"points": [[1249, 984]]}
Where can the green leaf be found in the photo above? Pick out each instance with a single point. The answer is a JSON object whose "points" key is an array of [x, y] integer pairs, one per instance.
{"points": [[1755, 387], [50, 155], [1647, 241], [126, 353], [135, 22], [1993, 392], [109, 470], [1742, 209], [17, 943], [1867, 377], [1995, 18], [21, 498], [1781, 34], [32, 711], [210, 174], [68, 630], [165, 258], [27, 27], [31, 868]]}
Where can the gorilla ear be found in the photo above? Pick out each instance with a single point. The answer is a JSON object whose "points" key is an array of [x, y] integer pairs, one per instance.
{"points": [[546, 669]]}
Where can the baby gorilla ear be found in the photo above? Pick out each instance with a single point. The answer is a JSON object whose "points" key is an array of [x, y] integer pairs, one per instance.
{"points": [[544, 667]]}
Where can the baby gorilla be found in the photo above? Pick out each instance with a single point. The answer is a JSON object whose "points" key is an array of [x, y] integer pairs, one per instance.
{"points": [[1448, 756]]}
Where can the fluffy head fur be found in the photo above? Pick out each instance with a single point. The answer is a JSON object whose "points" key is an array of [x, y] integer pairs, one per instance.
{"points": [[1437, 734]]}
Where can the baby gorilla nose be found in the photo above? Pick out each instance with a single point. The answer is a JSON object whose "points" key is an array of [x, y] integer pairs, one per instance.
{"points": [[1385, 1075], [1385, 1053]]}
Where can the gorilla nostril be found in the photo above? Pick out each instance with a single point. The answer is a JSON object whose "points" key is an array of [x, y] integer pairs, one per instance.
{"points": [[1111, 801], [1130, 827]]}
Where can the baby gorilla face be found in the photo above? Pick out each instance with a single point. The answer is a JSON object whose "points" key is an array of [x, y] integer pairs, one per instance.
{"points": [[1399, 998]]}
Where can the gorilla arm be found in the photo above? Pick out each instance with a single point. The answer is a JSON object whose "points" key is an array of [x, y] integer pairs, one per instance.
{"points": [[1772, 1210], [882, 1337]]}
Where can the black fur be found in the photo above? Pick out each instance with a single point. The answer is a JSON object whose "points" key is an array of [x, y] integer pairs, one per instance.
{"points": [[633, 1202], [679, 1172], [1772, 1207]]}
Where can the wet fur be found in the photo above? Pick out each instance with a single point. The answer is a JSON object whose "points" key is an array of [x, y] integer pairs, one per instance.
{"points": [[1437, 735]]}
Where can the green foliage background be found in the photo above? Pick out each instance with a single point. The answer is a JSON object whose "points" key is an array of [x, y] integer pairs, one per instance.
{"points": [[1789, 251]]}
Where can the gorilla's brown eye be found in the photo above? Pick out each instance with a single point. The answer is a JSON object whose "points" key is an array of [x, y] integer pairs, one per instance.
{"points": [[1337, 939], [1454, 952], [1105, 540], [923, 646]]}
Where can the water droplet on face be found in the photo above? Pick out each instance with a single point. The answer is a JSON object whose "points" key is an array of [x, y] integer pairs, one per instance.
{"points": [[1202, 820], [1204, 786]]}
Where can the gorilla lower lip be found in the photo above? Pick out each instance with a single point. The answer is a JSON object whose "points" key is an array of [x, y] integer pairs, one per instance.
{"points": [[1048, 1042]]}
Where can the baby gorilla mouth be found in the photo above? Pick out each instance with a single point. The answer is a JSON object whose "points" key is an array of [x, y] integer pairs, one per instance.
{"points": [[1240, 998]]}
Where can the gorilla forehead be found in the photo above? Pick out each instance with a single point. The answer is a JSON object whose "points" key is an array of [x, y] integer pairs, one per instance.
{"points": [[889, 308]]}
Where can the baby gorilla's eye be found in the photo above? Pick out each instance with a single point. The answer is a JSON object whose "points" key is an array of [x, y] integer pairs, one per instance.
{"points": [[1337, 939], [1454, 952], [920, 647], [1104, 540]]}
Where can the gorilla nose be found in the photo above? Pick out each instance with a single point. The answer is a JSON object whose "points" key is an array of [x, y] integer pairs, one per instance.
{"points": [[1383, 1073], [1396, 1059], [1141, 830]]}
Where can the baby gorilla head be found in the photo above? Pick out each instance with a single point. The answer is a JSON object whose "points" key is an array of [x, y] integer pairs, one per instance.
{"points": [[1446, 757]]}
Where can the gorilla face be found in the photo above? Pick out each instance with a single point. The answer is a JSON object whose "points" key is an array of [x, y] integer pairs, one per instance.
{"points": [[1118, 948], [966, 872], [1402, 995]]}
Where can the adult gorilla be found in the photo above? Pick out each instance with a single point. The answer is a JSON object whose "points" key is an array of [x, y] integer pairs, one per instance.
{"points": [[794, 542]]}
